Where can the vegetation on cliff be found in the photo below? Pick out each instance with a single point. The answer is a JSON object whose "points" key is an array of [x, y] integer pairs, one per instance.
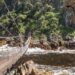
{"points": [[35, 16]]}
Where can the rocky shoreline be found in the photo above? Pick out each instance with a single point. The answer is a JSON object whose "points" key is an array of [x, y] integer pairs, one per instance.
{"points": [[53, 45], [31, 68], [44, 44]]}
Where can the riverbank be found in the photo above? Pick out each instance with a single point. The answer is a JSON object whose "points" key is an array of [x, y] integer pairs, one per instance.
{"points": [[53, 44]]}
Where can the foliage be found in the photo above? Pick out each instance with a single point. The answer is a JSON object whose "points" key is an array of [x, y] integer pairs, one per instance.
{"points": [[38, 16]]}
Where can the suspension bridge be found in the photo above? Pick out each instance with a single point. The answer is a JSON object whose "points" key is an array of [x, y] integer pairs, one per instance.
{"points": [[10, 55]]}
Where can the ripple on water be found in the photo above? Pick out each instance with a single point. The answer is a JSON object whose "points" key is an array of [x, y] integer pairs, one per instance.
{"points": [[58, 70]]}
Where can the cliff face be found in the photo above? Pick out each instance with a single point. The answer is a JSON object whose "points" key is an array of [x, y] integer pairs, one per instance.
{"points": [[69, 10], [70, 13]]}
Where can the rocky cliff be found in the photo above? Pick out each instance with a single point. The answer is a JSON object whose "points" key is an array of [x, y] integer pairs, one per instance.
{"points": [[70, 13]]}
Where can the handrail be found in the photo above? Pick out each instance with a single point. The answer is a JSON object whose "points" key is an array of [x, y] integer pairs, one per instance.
{"points": [[9, 37]]}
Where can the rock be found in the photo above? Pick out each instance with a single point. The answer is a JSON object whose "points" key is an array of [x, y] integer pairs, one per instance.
{"points": [[23, 72], [46, 73], [69, 44], [2, 41], [29, 68], [54, 45], [33, 72], [69, 9], [64, 72]]}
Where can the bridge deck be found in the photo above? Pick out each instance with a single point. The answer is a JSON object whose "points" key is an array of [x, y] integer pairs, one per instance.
{"points": [[11, 56]]}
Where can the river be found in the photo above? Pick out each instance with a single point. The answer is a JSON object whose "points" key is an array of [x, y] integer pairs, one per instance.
{"points": [[57, 70]]}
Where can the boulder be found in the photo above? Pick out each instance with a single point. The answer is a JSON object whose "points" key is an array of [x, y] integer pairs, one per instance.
{"points": [[2, 41], [29, 68]]}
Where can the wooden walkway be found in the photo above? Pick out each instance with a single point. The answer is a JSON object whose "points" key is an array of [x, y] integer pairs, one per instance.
{"points": [[12, 57]]}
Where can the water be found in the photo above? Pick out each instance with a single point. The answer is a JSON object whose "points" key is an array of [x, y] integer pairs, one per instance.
{"points": [[57, 70], [42, 51], [54, 69]]}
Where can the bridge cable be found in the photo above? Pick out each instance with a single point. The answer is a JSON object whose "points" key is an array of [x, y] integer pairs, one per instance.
{"points": [[6, 29], [11, 15]]}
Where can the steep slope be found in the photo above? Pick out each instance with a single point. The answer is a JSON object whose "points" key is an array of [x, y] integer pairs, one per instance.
{"points": [[70, 12]]}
